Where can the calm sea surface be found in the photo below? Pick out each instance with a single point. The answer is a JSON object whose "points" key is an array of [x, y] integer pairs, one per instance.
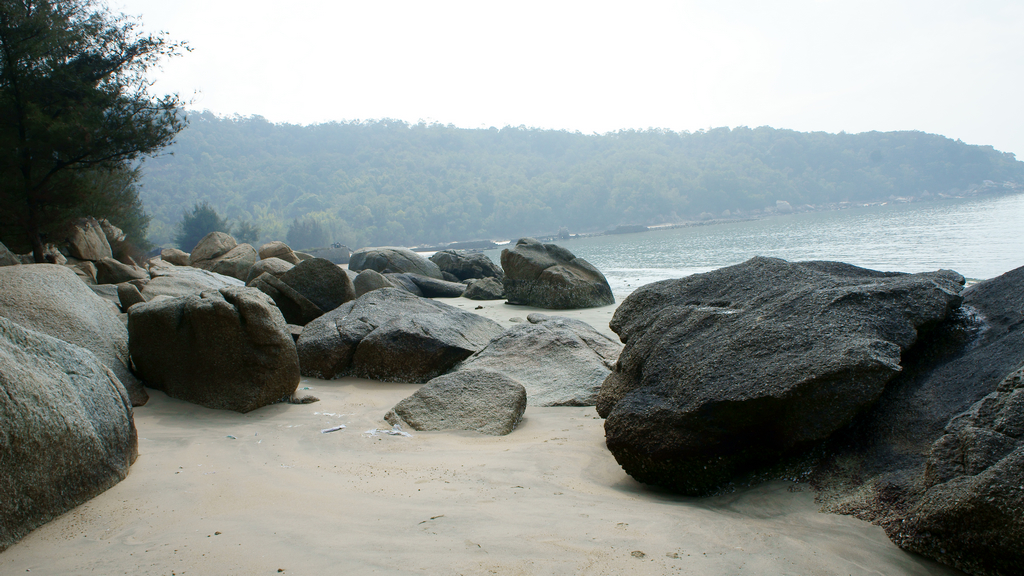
{"points": [[979, 238]]}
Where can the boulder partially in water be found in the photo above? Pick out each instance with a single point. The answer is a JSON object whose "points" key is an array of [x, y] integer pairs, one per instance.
{"points": [[727, 372], [549, 276]]}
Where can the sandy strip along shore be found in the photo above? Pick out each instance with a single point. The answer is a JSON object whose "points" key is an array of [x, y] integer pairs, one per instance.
{"points": [[216, 492]]}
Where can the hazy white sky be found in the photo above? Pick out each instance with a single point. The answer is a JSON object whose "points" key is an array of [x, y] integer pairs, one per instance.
{"points": [[948, 67]]}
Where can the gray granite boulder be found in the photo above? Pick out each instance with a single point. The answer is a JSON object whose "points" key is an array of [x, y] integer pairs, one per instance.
{"points": [[88, 241], [211, 246], [727, 372], [128, 295], [389, 334], [322, 282], [466, 265], [227, 349], [560, 361], [177, 281], [478, 400], [8, 258], [370, 280], [392, 259], [404, 282], [52, 300], [236, 262], [67, 433], [485, 289], [296, 308], [549, 276], [175, 256], [434, 288], [278, 249], [110, 271], [274, 266]]}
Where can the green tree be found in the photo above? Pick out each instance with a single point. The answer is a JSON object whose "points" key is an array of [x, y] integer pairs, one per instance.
{"points": [[74, 103], [307, 233], [197, 223], [246, 232]]}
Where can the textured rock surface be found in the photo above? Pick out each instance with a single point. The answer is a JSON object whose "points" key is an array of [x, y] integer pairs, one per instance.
{"points": [[228, 349], [478, 400], [549, 276], [403, 282], [211, 246], [560, 361], [434, 288], [396, 260], [726, 372], [274, 266], [52, 300], [8, 258], [67, 431], [128, 295], [485, 289], [278, 249], [877, 466], [370, 280], [389, 334], [110, 271], [322, 282], [175, 256], [296, 308], [466, 265], [88, 241], [971, 514], [234, 263], [176, 281]]}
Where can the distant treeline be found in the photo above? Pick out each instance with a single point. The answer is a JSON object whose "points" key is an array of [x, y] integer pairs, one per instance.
{"points": [[392, 183]]}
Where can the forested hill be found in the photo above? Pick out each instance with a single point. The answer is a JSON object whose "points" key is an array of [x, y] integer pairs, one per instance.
{"points": [[391, 183]]}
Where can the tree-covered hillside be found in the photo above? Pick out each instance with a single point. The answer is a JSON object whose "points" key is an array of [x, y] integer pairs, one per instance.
{"points": [[391, 183]]}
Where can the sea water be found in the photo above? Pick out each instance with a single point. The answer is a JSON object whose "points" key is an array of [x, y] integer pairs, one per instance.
{"points": [[978, 237]]}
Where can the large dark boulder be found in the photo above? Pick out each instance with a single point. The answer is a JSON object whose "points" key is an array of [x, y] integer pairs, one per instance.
{"points": [[478, 400], [549, 276], [67, 432], [391, 259], [726, 372], [391, 335], [307, 290], [560, 361], [878, 468], [52, 300], [971, 513], [227, 349], [466, 265], [322, 282]]}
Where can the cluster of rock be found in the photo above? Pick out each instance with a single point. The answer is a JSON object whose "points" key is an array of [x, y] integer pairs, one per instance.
{"points": [[900, 380], [550, 276]]}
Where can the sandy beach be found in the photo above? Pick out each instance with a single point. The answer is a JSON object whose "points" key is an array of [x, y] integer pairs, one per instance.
{"points": [[268, 492]]}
